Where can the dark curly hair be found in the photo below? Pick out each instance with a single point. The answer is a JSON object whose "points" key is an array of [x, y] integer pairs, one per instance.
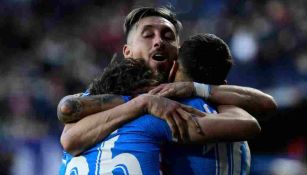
{"points": [[205, 58], [123, 77]]}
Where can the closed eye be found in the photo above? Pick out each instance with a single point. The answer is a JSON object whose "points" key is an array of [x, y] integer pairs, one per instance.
{"points": [[147, 34], [169, 35]]}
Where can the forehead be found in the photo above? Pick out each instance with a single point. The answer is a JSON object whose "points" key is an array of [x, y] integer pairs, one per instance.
{"points": [[155, 22]]}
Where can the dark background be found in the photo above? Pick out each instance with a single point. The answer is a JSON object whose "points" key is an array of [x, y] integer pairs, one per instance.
{"points": [[49, 49]]}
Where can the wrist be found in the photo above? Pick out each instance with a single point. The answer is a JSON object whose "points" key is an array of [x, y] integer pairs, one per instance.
{"points": [[142, 102], [202, 90]]}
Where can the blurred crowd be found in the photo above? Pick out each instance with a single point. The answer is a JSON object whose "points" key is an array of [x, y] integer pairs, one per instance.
{"points": [[49, 49]]}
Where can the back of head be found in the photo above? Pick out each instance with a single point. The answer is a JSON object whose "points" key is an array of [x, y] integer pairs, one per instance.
{"points": [[135, 15], [205, 58], [123, 77]]}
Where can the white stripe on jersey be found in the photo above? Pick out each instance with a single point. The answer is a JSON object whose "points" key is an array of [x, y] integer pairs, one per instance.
{"points": [[206, 108], [222, 158], [98, 158], [237, 158], [231, 158], [247, 158]]}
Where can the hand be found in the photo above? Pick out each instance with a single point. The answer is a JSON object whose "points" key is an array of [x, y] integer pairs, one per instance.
{"points": [[177, 116], [176, 89]]}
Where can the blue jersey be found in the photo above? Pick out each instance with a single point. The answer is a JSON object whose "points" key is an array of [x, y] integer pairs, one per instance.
{"points": [[135, 149], [232, 158], [132, 149]]}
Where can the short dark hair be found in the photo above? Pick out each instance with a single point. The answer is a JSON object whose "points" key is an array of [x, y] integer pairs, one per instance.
{"points": [[205, 58], [135, 15], [123, 77]]}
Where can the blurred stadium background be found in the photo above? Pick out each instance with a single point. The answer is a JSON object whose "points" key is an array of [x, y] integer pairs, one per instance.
{"points": [[49, 49]]}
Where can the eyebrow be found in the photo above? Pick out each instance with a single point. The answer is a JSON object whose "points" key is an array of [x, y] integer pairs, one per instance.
{"points": [[146, 27], [149, 26]]}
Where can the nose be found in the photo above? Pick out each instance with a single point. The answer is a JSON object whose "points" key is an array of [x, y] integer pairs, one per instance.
{"points": [[158, 42]]}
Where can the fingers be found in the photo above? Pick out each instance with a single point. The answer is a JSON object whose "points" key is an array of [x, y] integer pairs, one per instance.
{"points": [[167, 92], [182, 127], [198, 128], [164, 90], [193, 111], [173, 126], [156, 90], [190, 118]]}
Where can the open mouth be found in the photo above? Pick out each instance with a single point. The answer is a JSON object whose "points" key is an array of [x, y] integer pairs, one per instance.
{"points": [[159, 57]]}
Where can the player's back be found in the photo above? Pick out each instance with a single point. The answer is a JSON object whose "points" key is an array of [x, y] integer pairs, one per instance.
{"points": [[132, 149], [229, 158]]}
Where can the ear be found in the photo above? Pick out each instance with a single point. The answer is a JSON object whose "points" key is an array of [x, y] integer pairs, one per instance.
{"points": [[127, 51], [173, 71]]}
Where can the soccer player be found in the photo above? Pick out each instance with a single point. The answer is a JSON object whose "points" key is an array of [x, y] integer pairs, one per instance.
{"points": [[204, 58]]}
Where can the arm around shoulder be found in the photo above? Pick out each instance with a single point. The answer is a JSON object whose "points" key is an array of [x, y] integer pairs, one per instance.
{"points": [[230, 124], [250, 99], [79, 136]]}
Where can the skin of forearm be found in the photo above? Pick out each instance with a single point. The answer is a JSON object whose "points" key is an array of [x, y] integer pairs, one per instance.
{"points": [[73, 108], [90, 130], [231, 124], [250, 99]]}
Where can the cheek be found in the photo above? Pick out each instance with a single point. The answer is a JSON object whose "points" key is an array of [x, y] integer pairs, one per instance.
{"points": [[140, 50], [144, 43]]}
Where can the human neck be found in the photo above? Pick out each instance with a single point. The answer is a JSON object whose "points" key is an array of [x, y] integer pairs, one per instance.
{"points": [[181, 76]]}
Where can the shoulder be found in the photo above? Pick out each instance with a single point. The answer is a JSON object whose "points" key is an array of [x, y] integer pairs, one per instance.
{"points": [[148, 126]]}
